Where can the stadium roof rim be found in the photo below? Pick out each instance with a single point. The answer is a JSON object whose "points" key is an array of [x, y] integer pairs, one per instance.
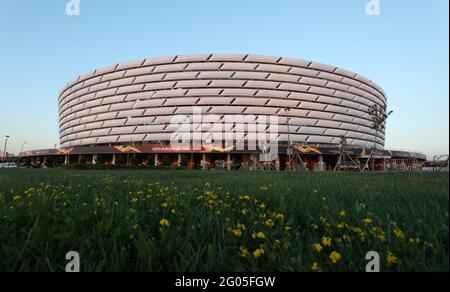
{"points": [[222, 57]]}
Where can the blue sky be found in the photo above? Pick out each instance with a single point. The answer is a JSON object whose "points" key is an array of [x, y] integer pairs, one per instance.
{"points": [[405, 50]]}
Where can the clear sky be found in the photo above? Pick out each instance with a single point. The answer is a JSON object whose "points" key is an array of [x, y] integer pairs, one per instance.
{"points": [[405, 50]]}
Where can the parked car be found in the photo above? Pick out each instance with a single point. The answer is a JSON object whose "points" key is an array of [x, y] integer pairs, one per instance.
{"points": [[8, 165]]}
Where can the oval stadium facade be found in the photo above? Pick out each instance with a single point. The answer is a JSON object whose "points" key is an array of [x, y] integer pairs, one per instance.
{"points": [[135, 101]]}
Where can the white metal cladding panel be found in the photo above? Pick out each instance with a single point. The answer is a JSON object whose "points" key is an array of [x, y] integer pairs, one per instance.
{"points": [[139, 121], [149, 78], [321, 90], [239, 66], [250, 101], [313, 81], [139, 71], [320, 115], [150, 129], [113, 99], [95, 125], [158, 137], [100, 132], [107, 139], [120, 106], [282, 77], [227, 83], [337, 85], [86, 141], [131, 138], [106, 92], [262, 84], [169, 68], [89, 82], [114, 123], [335, 133], [131, 113], [203, 66], [216, 100], [227, 110], [122, 130], [139, 95], [261, 111], [331, 100], [273, 68], [130, 88], [229, 74], [98, 87], [181, 101], [294, 87], [203, 92], [239, 92], [159, 85], [312, 105], [149, 103], [121, 82], [283, 103], [113, 76], [180, 75], [272, 93], [93, 103], [328, 124], [215, 75], [330, 76], [304, 96], [160, 111], [319, 139]]}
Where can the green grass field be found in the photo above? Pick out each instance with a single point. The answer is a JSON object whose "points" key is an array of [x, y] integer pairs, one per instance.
{"points": [[222, 221]]}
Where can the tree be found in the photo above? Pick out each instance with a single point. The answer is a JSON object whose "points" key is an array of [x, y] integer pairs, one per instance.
{"points": [[378, 115]]}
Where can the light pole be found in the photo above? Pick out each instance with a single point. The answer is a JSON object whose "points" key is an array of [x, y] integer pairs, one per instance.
{"points": [[289, 138], [21, 149], [6, 144]]}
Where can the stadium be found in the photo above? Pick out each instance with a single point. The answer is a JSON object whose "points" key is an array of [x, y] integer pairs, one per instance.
{"points": [[124, 114]]}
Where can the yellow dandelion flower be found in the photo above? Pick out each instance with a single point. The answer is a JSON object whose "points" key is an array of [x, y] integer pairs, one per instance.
{"points": [[164, 223], [368, 221], [258, 253], [391, 259], [318, 247], [335, 257], [243, 252], [326, 241], [134, 201], [270, 223], [280, 216], [262, 206], [342, 214], [237, 232], [399, 233], [259, 235], [315, 267]]}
